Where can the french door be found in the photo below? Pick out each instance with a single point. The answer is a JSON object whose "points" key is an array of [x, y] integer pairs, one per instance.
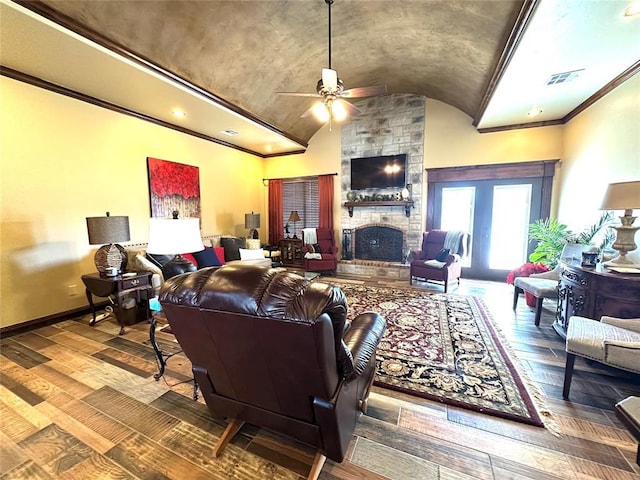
{"points": [[497, 215], [495, 211]]}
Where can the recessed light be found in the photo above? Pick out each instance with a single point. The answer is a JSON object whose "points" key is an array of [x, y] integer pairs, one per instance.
{"points": [[179, 113], [230, 132], [534, 112], [268, 148], [633, 9]]}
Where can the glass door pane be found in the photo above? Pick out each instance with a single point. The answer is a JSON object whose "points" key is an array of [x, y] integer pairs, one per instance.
{"points": [[458, 207], [509, 226]]}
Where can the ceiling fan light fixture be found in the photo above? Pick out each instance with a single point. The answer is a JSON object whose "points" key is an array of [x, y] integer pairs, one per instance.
{"points": [[321, 112], [338, 111]]}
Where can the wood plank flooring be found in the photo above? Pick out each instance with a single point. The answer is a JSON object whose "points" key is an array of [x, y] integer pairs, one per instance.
{"points": [[80, 402]]}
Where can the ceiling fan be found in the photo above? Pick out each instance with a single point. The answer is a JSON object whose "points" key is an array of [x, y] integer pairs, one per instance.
{"points": [[330, 89]]}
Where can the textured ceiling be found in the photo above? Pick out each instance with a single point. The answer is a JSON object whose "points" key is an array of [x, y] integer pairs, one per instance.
{"points": [[245, 51]]}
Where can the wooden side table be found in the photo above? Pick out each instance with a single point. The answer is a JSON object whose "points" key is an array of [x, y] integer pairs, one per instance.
{"points": [[129, 284], [291, 252]]}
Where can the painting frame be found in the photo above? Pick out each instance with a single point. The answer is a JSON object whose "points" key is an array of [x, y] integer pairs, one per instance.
{"points": [[173, 187]]}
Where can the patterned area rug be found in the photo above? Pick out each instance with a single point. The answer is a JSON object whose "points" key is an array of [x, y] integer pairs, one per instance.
{"points": [[444, 347]]}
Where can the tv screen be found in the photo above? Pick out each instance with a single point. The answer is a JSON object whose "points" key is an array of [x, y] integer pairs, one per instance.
{"points": [[378, 172]]}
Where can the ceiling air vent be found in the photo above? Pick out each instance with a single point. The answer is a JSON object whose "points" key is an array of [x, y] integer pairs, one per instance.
{"points": [[230, 132], [564, 77]]}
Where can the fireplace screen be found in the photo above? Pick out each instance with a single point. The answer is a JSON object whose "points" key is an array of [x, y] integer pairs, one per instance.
{"points": [[378, 243]]}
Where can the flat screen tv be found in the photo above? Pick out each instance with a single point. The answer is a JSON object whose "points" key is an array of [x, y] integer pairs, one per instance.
{"points": [[378, 172]]}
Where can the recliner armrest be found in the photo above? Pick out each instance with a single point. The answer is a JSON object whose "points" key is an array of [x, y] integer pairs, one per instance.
{"points": [[362, 339], [417, 254]]}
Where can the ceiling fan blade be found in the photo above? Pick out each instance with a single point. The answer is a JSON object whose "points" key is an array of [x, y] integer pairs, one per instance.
{"points": [[299, 94], [351, 109], [329, 79], [365, 91], [308, 112]]}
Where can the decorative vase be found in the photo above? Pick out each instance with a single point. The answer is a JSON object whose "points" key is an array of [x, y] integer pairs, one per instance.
{"points": [[530, 299], [352, 196]]}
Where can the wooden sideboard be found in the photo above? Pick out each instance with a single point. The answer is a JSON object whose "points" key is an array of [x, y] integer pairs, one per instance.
{"points": [[593, 292]]}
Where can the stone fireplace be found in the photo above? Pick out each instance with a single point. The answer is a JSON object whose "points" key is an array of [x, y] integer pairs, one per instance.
{"points": [[377, 237]]}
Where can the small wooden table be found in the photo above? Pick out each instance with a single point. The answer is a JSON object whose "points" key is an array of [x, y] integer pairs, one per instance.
{"points": [[135, 284], [161, 355], [291, 252]]}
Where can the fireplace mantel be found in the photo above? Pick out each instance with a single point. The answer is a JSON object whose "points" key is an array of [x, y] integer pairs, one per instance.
{"points": [[407, 204]]}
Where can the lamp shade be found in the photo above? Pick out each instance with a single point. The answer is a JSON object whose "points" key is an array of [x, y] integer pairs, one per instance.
{"points": [[293, 216], [169, 236], [251, 220], [622, 196], [107, 229]]}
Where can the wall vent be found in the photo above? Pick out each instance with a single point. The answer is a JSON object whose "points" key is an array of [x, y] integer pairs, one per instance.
{"points": [[564, 77]]}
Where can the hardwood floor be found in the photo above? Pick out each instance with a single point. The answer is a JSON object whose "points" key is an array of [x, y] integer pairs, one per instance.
{"points": [[80, 402]]}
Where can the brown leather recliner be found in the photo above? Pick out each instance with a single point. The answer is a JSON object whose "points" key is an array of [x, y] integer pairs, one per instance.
{"points": [[269, 348]]}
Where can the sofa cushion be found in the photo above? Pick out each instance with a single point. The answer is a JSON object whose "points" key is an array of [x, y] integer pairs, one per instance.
{"points": [[191, 258], [159, 260], [249, 254], [220, 254], [232, 246], [207, 258]]}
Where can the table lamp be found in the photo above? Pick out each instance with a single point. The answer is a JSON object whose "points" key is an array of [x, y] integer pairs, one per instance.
{"points": [[252, 223], [294, 217], [111, 258], [623, 196], [175, 236]]}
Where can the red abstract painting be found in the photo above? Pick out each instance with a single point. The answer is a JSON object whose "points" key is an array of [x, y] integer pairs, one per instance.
{"points": [[173, 187]]}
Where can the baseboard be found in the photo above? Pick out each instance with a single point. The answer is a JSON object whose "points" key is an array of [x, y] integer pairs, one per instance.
{"points": [[48, 320]]}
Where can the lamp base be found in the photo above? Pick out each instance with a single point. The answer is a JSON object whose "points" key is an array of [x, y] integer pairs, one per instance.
{"points": [[110, 256], [625, 243], [253, 233], [176, 266]]}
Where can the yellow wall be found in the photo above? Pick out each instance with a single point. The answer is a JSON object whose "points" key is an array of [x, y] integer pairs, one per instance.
{"points": [[451, 140], [602, 146], [63, 160]]}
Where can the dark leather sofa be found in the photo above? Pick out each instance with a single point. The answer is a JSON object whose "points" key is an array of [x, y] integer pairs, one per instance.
{"points": [[269, 348]]}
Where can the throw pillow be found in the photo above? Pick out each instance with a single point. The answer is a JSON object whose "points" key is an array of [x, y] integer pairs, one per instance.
{"points": [[220, 254], [316, 248], [443, 255], [232, 245], [159, 260], [310, 248], [191, 258], [250, 254], [207, 258]]}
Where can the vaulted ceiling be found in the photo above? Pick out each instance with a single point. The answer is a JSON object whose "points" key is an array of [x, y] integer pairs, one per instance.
{"points": [[243, 52]]}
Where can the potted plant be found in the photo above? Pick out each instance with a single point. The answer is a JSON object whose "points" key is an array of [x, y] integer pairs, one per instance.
{"points": [[551, 237]]}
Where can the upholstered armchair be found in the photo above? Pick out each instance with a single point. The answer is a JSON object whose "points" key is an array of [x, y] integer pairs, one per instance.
{"points": [[324, 260], [612, 341], [272, 349], [439, 259]]}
